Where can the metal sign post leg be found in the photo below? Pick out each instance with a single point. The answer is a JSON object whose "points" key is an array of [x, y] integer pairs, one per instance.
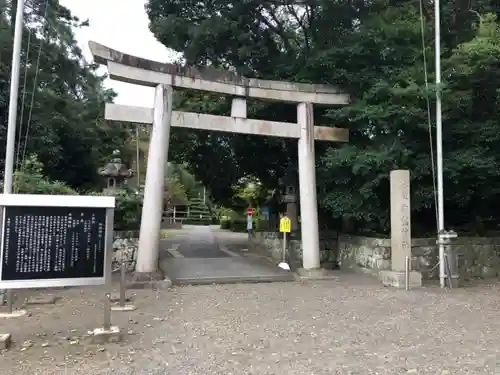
{"points": [[122, 306], [10, 301], [122, 284], [11, 313], [107, 312], [407, 273], [284, 247]]}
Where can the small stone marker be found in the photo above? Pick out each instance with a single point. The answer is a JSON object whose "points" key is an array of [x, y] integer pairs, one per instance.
{"points": [[41, 300], [5, 341], [115, 298], [400, 233], [13, 314], [102, 336]]}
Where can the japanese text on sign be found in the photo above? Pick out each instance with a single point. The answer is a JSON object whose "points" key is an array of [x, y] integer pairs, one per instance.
{"points": [[285, 225], [53, 243]]}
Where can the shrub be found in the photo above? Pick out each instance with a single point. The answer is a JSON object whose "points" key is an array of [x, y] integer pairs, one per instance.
{"points": [[225, 224], [238, 225], [262, 224], [30, 180], [128, 208]]}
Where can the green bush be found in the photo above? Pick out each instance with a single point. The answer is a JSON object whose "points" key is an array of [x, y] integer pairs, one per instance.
{"points": [[262, 224], [30, 180], [238, 225], [196, 221], [128, 208], [225, 224]]}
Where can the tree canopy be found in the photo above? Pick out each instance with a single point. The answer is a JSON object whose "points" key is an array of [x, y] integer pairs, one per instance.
{"points": [[61, 97], [375, 52]]}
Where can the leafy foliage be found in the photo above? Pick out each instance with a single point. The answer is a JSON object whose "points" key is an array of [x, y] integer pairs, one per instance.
{"points": [[61, 102], [373, 51], [31, 180], [128, 209]]}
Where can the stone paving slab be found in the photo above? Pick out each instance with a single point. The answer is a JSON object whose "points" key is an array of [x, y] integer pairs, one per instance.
{"points": [[201, 251], [197, 271]]}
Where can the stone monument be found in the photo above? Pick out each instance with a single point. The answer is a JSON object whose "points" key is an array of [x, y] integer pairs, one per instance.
{"points": [[400, 233]]}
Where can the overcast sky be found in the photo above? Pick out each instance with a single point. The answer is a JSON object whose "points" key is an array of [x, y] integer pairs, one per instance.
{"points": [[122, 25]]}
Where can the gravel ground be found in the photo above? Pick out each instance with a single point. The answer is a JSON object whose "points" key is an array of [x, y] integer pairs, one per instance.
{"points": [[351, 326]]}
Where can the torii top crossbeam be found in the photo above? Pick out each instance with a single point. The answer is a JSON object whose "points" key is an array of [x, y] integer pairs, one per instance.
{"points": [[133, 69]]}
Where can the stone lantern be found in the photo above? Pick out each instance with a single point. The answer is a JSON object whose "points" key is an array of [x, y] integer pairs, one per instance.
{"points": [[290, 197], [116, 173], [289, 194]]}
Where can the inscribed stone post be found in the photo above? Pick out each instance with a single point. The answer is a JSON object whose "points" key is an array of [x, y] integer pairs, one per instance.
{"points": [[400, 219], [400, 234]]}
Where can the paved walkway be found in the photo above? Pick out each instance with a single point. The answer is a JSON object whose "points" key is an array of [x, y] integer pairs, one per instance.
{"points": [[205, 255]]}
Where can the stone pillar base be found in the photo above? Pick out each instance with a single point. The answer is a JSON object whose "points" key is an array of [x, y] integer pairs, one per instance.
{"points": [[397, 279], [142, 280], [316, 274]]}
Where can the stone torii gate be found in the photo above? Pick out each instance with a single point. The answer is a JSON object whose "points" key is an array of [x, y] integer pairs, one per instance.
{"points": [[164, 77]]}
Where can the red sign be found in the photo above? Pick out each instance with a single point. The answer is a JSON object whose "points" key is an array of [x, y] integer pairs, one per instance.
{"points": [[249, 211]]}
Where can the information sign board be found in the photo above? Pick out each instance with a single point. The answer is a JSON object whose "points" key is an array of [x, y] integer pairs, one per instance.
{"points": [[49, 240]]}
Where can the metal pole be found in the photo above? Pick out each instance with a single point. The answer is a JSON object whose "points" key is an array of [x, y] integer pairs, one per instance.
{"points": [[10, 148], [10, 301], [448, 272], [137, 156], [122, 284], [107, 312], [284, 247], [439, 140], [407, 273]]}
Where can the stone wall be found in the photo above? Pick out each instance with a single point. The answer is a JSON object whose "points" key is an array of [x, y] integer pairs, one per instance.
{"points": [[479, 257], [125, 245], [271, 243]]}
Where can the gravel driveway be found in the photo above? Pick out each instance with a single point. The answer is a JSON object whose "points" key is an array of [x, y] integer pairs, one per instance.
{"points": [[351, 326]]}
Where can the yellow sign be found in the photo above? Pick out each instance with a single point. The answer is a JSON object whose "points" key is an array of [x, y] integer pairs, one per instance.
{"points": [[285, 225]]}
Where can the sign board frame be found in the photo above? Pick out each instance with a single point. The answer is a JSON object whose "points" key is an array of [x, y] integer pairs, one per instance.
{"points": [[64, 201]]}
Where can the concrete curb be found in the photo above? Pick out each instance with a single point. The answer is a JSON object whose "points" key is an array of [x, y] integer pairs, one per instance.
{"points": [[234, 280]]}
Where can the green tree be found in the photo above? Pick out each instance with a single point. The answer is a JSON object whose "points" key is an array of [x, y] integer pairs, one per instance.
{"points": [[61, 106], [373, 51], [31, 180]]}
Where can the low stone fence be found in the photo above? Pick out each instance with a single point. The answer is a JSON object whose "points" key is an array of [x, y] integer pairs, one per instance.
{"points": [[479, 257], [271, 243]]}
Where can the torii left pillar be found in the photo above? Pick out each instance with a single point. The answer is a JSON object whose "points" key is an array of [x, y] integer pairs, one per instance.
{"points": [[147, 267]]}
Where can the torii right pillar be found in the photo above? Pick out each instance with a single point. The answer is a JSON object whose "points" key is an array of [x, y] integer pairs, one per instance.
{"points": [[307, 188]]}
